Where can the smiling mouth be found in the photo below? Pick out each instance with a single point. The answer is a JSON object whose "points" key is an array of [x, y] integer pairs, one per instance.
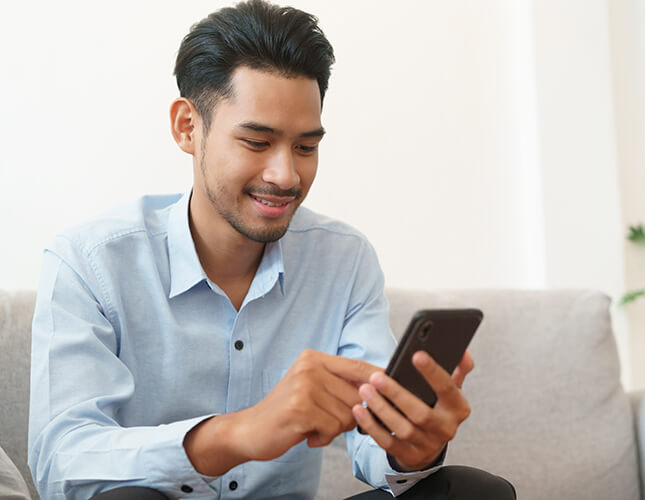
{"points": [[272, 202]]}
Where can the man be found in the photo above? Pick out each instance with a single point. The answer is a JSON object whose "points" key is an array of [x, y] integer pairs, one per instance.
{"points": [[208, 345]]}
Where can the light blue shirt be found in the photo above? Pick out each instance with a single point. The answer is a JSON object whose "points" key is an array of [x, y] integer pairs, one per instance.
{"points": [[133, 346]]}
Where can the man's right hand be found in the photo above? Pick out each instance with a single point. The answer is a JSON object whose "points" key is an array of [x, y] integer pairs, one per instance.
{"points": [[313, 401]]}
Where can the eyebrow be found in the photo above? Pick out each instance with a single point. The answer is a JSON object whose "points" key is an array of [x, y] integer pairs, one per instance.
{"points": [[258, 127]]}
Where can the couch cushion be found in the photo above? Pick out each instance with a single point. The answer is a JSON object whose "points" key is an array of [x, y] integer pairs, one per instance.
{"points": [[638, 407], [12, 485], [16, 311], [548, 409]]}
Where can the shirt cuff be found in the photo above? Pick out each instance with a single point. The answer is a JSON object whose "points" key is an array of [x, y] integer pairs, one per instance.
{"points": [[400, 482], [184, 478]]}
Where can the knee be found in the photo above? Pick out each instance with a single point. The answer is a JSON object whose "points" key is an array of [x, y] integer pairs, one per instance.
{"points": [[476, 483]]}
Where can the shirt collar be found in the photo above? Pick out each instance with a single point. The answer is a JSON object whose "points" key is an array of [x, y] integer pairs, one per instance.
{"points": [[270, 270], [186, 271]]}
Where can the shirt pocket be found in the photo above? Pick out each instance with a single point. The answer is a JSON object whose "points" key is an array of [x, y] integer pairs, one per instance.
{"points": [[301, 451]]}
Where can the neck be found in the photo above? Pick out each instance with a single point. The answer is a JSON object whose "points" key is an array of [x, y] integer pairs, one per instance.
{"points": [[228, 258]]}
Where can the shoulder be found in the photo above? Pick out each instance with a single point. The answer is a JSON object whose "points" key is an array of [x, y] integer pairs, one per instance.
{"points": [[306, 222], [145, 217], [318, 239]]}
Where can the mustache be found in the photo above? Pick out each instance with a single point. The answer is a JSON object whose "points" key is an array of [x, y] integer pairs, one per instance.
{"points": [[274, 191]]}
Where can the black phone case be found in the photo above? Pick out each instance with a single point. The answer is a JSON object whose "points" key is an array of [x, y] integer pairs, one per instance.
{"points": [[442, 333]]}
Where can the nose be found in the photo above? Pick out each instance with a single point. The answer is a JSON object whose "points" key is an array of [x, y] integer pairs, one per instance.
{"points": [[281, 170]]}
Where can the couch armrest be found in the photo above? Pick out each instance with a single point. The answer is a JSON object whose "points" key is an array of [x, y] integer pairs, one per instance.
{"points": [[637, 399]]}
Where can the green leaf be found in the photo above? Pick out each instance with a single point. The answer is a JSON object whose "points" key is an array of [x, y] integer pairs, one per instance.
{"points": [[632, 296], [636, 234]]}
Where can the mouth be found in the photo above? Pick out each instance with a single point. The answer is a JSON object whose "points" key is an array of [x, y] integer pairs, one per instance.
{"points": [[271, 207], [272, 201]]}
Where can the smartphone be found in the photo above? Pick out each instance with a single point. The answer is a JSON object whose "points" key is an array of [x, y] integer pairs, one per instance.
{"points": [[444, 334]]}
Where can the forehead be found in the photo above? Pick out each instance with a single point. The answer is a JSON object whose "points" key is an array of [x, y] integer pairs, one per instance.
{"points": [[286, 103]]}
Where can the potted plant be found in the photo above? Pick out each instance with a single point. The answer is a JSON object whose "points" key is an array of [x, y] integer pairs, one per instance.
{"points": [[636, 235]]}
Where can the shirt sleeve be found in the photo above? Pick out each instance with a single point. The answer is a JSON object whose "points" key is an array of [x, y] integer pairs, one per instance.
{"points": [[77, 448], [367, 336]]}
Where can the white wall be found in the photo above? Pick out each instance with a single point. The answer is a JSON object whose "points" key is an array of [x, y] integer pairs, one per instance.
{"points": [[473, 142], [627, 30]]}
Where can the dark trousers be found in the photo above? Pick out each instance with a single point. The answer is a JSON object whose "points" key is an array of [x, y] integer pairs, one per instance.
{"points": [[452, 482], [448, 483]]}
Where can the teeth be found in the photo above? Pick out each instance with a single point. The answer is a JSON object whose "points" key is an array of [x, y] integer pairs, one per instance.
{"points": [[268, 203]]}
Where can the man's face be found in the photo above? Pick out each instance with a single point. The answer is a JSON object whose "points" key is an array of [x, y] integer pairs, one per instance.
{"points": [[259, 159]]}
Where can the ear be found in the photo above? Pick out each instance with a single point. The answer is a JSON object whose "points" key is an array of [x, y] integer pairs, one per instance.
{"points": [[185, 124]]}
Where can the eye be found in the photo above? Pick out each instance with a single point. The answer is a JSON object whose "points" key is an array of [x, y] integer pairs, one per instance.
{"points": [[306, 149], [255, 144]]}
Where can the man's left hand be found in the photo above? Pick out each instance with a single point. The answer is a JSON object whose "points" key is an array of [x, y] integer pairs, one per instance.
{"points": [[419, 432]]}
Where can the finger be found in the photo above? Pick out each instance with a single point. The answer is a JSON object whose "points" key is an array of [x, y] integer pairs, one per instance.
{"points": [[329, 403], [441, 382], [324, 419], [415, 409], [324, 427], [417, 457], [352, 370], [393, 419], [317, 440], [306, 397], [341, 389], [382, 436], [464, 367]]}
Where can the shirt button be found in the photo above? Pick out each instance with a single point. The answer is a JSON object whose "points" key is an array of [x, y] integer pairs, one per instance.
{"points": [[186, 489], [239, 345], [401, 481], [232, 485]]}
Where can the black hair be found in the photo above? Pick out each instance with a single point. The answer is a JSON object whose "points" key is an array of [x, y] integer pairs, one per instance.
{"points": [[255, 34]]}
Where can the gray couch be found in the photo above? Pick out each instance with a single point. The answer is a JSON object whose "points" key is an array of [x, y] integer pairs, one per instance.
{"points": [[548, 410]]}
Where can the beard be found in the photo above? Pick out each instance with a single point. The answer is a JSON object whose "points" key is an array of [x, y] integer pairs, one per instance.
{"points": [[259, 234], [265, 234]]}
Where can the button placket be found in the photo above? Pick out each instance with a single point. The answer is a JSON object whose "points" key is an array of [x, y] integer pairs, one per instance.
{"points": [[240, 369]]}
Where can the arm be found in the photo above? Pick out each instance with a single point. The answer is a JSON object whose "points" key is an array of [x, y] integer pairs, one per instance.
{"points": [[77, 446], [312, 402]]}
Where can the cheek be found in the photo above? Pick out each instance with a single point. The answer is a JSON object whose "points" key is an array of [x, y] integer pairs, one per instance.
{"points": [[307, 173], [231, 170]]}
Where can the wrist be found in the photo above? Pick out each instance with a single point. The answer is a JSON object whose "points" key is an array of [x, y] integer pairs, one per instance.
{"points": [[212, 445], [434, 462]]}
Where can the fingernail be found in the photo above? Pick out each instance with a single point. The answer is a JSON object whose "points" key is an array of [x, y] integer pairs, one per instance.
{"points": [[367, 392], [378, 380], [359, 412], [421, 358]]}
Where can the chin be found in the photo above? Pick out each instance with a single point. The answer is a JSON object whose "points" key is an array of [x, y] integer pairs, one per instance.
{"points": [[261, 232], [266, 235], [266, 231]]}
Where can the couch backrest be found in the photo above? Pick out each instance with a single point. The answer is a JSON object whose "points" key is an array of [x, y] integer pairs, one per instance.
{"points": [[16, 311], [548, 409]]}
